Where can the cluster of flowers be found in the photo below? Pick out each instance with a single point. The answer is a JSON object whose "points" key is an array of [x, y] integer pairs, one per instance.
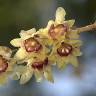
{"points": [[56, 44]]}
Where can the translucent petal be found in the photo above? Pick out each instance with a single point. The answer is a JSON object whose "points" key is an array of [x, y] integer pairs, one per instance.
{"points": [[73, 34], [38, 75], [25, 77], [48, 74], [20, 54], [70, 23], [16, 76], [74, 61], [61, 64], [16, 42], [60, 15], [76, 52]]}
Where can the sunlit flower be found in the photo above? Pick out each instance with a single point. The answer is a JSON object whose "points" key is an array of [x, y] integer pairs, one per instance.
{"points": [[29, 45], [66, 52], [5, 64]]}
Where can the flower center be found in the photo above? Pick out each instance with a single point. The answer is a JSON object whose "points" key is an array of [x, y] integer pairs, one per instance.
{"points": [[64, 49], [56, 31], [32, 45], [3, 64], [40, 64]]}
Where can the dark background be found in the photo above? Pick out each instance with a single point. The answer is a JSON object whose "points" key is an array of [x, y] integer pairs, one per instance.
{"points": [[16, 15]]}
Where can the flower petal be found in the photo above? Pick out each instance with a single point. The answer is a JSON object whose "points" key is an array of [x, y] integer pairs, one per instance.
{"points": [[16, 42], [76, 52], [20, 54], [49, 24], [73, 34], [70, 23], [48, 74], [74, 61], [61, 64], [38, 75], [27, 34], [60, 15], [25, 77]]}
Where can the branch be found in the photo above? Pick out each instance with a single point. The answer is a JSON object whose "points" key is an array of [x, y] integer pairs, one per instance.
{"points": [[87, 28]]}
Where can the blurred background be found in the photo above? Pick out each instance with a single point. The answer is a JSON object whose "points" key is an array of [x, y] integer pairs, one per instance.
{"points": [[16, 15]]}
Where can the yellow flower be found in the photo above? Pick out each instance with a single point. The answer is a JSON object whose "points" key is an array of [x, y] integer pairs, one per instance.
{"points": [[66, 52], [5, 63], [38, 67], [59, 29], [29, 45]]}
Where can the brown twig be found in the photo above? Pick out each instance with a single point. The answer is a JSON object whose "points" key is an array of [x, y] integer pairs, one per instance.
{"points": [[87, 28]]}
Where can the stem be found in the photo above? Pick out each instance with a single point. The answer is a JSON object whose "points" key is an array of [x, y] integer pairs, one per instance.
{"points": [[87, 28]]}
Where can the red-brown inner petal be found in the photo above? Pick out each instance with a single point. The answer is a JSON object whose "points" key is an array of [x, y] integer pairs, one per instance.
{"points": [[40, 64], [64, 50], [32, 45], [3, 64], [58, 30]]}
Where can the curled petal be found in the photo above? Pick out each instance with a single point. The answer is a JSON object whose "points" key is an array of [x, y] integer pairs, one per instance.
{"points": [[60, 15], [25, 77], [16, 42], [16, 76]]}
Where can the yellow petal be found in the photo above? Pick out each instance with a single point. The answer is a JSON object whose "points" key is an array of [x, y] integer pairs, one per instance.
{"points": [[48, 74], [18, 71], [60, 15], [70, 23], [38, 76], [25, 77], [5, 52], [73, 34], [16, 76], [21, 54], [74, 61], [16, 42], [27, 34], [49, 24], [61, 64], [76, 52]]}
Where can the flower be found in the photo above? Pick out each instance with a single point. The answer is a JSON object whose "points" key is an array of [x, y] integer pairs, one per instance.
{"points": [[29, 45], [59, 29], [66, 52], [5, 63], [39, 67]]}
